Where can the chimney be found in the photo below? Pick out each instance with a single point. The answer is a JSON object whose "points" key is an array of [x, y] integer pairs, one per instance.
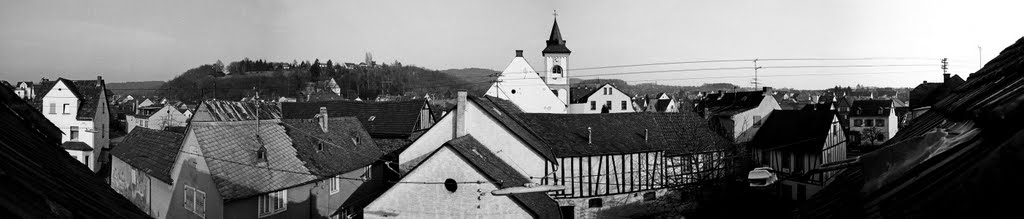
{"points": [[945, 78], [323, 119], [460, 115], [767, 90], [519, 53]]}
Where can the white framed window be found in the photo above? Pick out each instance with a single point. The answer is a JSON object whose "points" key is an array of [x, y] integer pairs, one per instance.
{"points": [[195, 201], [67, 108], [335, 183], [273, 203]]}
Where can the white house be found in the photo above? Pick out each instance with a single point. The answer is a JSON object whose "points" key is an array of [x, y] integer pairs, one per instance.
{"points": [[739, 113], [25, 90], [523, 86], [157, 117], [875, 121], [603, 99], [80, 109]]}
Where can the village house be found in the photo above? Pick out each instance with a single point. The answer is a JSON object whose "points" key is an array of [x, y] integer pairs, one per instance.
{"points": [[956, 160], [586, 100], [572, 149], [873, 121], [157, 117], [39, 179], [236, 162], [80, 109], [737, 114], [927, 94], [795, 142], [141, 169], [25, 90], [538, 92], [662, 103]]}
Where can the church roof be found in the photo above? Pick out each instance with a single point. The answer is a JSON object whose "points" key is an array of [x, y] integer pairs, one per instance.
{"points": [[555, 42]]}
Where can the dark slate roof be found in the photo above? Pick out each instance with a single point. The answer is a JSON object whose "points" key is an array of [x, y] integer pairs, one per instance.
{"points": [[794, 130], [620, 133], [819, 106], [32, 115], [76, 145], [871, 108], [927, 94], [661, 104], [220, 110], [728, 104], [955, 161], [555, 42], [341, 153], [580, 94], [230, 152], [150, 151], [40, 180], [381, 119], [540, 204]]}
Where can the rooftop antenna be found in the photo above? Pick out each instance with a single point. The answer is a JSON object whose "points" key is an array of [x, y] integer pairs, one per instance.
{"points": [[980, 63], [945, 65]]}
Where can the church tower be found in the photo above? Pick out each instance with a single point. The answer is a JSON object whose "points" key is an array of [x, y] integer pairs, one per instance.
{"points": [[556, 55]]}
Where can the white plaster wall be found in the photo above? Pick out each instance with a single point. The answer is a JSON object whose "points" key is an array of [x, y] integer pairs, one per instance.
{"points": [[167, 116], [522, 85], [600, 97], [469, 200], [60, 95], [743, 122]]}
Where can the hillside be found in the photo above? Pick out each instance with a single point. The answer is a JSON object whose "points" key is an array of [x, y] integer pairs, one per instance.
{"points": [[135, 88], [479, 77]]}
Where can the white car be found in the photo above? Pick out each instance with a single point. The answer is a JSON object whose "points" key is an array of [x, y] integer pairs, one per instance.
{"points": [[761, 177]]}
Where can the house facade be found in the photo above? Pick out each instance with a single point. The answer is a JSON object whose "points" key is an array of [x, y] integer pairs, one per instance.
{"points": [[794, 143], [25, 90], [522, 85], [873, 121], [737, 114], [80, 109], [603, 99], [158, 117], [140, 169]]}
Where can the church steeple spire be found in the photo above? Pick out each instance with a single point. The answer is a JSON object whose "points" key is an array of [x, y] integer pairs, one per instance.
{"points": [[555, 43]]}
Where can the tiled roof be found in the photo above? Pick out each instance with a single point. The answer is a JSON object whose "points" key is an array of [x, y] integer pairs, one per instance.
{"points": [[540, 204], [661, 105], [150, 151], [380, 119], [927, 94], [955, 161], [580, 94], [619, 133], [871, 108], [40, 180], [555, 43], [794, 130], [340, 153], [76, 145], [220, 110], [87, 91], [230, 152], [728, 104]]}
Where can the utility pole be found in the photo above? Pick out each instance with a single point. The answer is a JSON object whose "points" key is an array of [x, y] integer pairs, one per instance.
{"points": [[755, 73], [945, 66]]}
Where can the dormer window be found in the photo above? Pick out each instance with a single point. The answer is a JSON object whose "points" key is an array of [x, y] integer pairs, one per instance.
{"points": [[261, 154], [320, 146], [355, 140]]}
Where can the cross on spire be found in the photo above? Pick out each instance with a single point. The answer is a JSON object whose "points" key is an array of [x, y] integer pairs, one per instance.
{"points": [[555, 14]]}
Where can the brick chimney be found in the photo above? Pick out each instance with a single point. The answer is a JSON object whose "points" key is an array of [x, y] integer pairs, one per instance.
{"points": [[945, 77], [519, 53], [322, 116], [460, 115], [767, 90]]}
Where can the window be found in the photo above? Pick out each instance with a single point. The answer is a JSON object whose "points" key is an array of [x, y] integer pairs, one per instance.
{"points": [[593, 105], [858, 123], [609, 91], [74, 132], [195, 201], [66, 109], [261, 154], [757, 120], [335, 183], [608, 104], [880, 122], [53, 108], [623, 105], [273, 203], [650, 196], [319, 146], [557, 69], [869, 123], [595, 203]]}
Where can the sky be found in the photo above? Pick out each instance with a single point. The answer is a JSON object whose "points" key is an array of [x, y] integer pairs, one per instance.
{"points": [[893, 43]]}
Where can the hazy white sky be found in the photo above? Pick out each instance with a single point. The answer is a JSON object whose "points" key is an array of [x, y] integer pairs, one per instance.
{"points": [[130, 40]]}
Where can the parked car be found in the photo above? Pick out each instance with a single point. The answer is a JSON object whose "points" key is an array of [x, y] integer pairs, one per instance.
{"points": [[762, 177]]}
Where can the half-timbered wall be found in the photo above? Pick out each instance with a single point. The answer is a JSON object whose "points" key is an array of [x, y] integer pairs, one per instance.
{"points": [[607, 174]]}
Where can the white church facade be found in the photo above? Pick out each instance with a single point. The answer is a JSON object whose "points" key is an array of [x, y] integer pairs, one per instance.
{"points": [[537, 92]]}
